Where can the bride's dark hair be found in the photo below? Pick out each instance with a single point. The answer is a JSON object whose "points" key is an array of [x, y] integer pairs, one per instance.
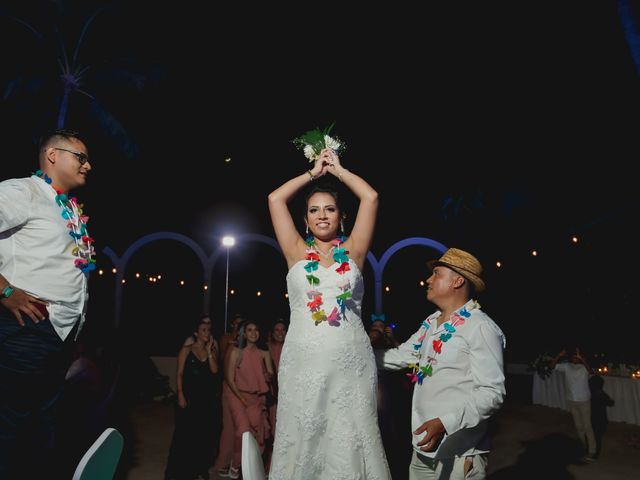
{"points": [[322, 189]]}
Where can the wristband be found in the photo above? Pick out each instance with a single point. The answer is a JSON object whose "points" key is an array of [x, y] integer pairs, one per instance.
{"points": [[6, 291]]}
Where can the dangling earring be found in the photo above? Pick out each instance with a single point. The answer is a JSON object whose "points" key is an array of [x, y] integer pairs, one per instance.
{"points": [[307, 229], [342, 227]]}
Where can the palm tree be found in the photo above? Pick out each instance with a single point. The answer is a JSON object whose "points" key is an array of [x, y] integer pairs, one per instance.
{"points": [[630, 29], [33, 90]]}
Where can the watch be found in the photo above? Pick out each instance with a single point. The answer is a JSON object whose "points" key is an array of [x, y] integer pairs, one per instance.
{"points": [[6, 292]]}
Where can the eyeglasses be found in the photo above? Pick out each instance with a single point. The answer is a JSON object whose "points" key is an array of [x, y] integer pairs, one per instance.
{"points": [[81, 156]]}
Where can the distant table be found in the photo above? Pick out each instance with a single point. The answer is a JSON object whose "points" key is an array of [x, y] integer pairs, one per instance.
{"points": [[625, 392], [167, 366]]}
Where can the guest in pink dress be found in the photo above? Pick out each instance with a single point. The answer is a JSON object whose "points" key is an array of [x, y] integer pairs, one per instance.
{"points": [[248, 371], [227, 435], [276, 341]]}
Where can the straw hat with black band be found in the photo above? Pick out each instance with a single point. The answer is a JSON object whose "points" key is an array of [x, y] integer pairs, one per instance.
{"points": [[463, 263]]}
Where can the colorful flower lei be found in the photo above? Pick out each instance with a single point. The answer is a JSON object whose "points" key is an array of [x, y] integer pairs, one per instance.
{"points": [[340, 255], [418, 372], [313, 141], [77, 224]]}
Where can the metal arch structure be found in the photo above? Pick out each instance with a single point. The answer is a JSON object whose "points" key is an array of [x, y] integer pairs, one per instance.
{"points": [[121, 262], [207, 262], [224, 251], [379, 266]]}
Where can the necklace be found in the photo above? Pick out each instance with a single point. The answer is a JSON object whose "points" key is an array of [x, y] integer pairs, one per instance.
{"points": [[324, 255], [418, 373], [340, 255], [77, 225]]}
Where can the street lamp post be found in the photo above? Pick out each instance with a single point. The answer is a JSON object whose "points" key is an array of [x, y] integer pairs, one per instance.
{"points": [[228, 242]]}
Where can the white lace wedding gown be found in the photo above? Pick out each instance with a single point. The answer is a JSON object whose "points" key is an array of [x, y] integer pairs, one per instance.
{"points": [[327, 427]]}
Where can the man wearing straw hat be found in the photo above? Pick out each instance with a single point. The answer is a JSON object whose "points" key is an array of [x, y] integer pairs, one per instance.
{"points": [[455, 359]]}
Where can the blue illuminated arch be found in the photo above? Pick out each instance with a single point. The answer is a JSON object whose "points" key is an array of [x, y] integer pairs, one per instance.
{"points": [[207, 262]]}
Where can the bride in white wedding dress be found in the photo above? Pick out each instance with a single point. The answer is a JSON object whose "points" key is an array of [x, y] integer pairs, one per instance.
{"points": [[327, 424]]}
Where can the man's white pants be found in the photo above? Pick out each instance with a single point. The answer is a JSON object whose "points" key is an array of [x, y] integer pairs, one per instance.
{"points": [[426, 468]]}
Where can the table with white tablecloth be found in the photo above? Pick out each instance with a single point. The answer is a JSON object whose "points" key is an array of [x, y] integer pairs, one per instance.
{"points": [[624, 391]]}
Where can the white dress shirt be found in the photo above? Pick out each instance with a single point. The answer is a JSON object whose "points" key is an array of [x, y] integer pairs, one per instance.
{"points": [[466, 386], [576, 378], [36, 251]]}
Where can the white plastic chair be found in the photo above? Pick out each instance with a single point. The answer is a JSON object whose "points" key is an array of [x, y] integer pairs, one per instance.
{"points": [[101, 460], [252, 465]]}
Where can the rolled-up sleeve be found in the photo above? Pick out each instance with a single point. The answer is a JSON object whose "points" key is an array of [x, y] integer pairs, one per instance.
{"points": [[400, 357]]}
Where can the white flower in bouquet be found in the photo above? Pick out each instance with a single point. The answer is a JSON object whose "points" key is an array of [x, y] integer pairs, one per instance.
{"points": [[309, 153], [332, 143], [313, 141]]}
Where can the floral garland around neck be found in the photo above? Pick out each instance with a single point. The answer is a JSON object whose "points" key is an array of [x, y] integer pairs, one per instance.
{"points": [[340, 255], [77, 225], [418, 373]]}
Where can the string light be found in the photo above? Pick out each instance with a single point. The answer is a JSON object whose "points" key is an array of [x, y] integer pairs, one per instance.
{"points": [[387, 289]]}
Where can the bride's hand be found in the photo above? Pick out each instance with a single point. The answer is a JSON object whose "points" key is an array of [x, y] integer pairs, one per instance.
{"points": [[332, 161], [320, 167]]}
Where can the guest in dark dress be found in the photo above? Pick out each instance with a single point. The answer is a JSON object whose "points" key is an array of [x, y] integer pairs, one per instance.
{"points": [[394, 403], [599, 403], [193, 436]]}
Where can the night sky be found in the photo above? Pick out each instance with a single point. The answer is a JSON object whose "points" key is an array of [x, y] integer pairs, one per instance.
{"points": [[498, 129]]}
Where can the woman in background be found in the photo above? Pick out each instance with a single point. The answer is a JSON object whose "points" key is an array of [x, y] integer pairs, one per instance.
{"points": [[192, 442]]}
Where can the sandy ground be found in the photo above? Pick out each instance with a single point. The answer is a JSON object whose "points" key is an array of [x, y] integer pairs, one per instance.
{"points": [[529, 441]]}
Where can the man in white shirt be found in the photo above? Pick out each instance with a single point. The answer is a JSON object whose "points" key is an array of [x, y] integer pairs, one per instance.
{"points": [[457, 367], [46, 255], [576, 375]]}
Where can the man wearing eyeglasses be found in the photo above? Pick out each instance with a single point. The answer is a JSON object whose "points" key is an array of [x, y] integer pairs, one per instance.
{"points": [[46, 255]]}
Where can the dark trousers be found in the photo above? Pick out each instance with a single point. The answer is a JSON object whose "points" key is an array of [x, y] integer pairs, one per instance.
{"points": [[33, 364]]}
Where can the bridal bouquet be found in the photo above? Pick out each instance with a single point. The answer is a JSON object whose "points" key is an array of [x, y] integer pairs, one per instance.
{"points": [[541, 365], [313, 141]]}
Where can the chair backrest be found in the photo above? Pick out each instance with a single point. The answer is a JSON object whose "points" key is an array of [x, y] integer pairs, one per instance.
{"points": [[101, 460], [252, 465]]}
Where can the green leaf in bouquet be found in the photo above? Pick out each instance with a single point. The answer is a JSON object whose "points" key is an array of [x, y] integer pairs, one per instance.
{"points": [[314, 137], [314, 141]]}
